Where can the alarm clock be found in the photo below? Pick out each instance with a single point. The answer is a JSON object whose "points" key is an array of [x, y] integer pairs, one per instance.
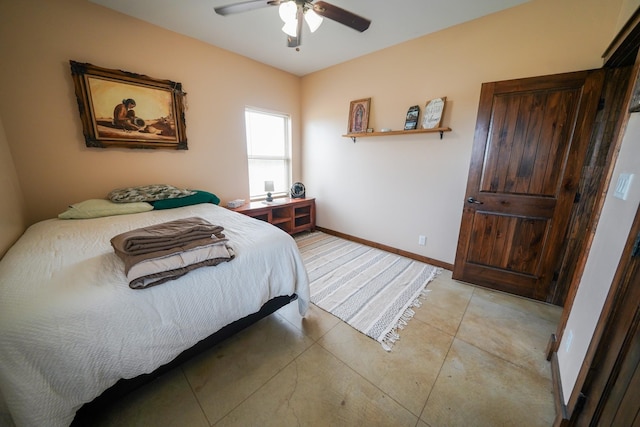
{"points": [[297, 190]]}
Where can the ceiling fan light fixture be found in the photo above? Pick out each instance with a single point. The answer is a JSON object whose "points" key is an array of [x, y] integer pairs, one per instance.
{"points": [[290, 28], [313, 19], [288, 11], [293, 12]]}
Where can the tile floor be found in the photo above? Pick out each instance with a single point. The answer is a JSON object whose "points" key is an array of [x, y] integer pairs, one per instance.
{"points": [[470, 357]]}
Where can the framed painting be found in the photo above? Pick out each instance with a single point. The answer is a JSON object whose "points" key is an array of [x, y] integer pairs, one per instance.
{"points": [[359, 115], [124, 109]]}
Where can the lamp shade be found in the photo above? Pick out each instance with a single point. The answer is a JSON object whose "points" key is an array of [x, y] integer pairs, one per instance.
{"points": [[313, 19], [268, 186], [290, 28], [287, 11]]}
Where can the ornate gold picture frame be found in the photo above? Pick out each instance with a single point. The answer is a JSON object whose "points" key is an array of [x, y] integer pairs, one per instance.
{"points": [[124, 109]]}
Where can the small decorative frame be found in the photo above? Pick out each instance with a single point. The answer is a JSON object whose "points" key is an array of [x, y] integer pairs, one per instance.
{"points": [[411, 122], [359, 115], [106, 99], [432, 116]]}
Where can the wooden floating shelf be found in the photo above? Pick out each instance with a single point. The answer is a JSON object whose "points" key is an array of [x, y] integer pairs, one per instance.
{"points": [[353, 136]]}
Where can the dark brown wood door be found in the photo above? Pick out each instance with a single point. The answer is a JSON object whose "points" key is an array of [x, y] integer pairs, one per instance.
{"points": [[528, 151], [610, 380], [622, 407]]}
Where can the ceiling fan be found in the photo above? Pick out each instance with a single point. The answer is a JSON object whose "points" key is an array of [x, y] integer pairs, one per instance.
{"points": [[293, 12]]}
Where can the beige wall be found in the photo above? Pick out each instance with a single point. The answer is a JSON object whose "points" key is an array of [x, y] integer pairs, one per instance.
{"points": [[392, 189], [40, 113], [12, 212], [626, 11]]}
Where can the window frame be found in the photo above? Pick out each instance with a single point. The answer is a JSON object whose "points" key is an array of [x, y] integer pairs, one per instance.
{"points": [[287, 158]]}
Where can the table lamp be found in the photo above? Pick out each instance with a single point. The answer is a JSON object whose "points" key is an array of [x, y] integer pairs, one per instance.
{"points": [[268, 187]]}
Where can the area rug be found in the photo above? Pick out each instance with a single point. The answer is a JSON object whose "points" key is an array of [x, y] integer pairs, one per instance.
{"points": [[372, 290]]}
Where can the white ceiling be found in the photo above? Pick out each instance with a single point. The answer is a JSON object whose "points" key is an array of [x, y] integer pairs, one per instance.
{"points": [[257, 34]]}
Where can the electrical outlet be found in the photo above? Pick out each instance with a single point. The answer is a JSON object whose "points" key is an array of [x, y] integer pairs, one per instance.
{"points": [[422, 240], [622, 186]]}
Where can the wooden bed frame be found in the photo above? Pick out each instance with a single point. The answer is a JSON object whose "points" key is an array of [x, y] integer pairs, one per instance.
{"points": [[93, 409]]}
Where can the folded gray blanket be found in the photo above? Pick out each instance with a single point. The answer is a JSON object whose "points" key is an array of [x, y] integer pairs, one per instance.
{"points": [[165, 236], [159, 253], [131, 260], [164, 276]]}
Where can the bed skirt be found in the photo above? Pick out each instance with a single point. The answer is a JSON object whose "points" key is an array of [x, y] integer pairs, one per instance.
{"points": [[89, 411]]}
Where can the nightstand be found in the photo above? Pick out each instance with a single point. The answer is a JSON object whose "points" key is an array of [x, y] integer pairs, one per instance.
{"points": [[291, 215]]}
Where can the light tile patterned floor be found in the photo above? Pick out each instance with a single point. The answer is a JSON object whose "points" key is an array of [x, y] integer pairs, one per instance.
{"points": [[470, 357]]}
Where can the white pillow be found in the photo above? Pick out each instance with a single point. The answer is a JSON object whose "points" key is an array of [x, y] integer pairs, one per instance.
{"points": [[95, 208]]}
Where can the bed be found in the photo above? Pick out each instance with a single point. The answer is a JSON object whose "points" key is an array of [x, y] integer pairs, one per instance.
{"points": [[71, 327]]}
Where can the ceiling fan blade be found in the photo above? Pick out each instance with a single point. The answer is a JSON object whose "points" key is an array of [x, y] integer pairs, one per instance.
{"points": [[342, 16], [244, 6]]}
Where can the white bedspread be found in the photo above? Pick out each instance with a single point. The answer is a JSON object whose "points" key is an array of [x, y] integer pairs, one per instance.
{"points": [[70, 326]]}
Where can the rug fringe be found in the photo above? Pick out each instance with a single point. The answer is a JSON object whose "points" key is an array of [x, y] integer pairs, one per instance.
{"points": [[392, 336]]}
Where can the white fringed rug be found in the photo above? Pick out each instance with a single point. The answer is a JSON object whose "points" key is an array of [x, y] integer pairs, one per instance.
{"points": [[372, 290]]}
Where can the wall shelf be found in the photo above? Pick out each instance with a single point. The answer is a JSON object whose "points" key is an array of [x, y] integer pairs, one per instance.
{"points": [[353, 136]]}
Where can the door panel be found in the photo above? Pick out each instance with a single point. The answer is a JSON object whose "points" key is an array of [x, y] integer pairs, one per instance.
{"points": [[530, 142], [497, 243], [525, 149], [622, 408]]}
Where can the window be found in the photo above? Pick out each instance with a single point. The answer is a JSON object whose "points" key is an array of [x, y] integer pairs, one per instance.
{"points": [[268, 151]]}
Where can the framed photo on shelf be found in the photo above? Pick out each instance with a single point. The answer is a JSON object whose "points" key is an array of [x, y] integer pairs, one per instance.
{"points": [[359, 115], [432, 116], [123, 109], [411, 121]]}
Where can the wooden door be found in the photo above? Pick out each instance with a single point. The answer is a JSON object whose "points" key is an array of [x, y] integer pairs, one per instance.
{"points": [[622, 408], [528, 151]]}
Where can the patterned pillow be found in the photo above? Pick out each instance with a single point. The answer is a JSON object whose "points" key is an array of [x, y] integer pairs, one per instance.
{"points": [[147, 193]]}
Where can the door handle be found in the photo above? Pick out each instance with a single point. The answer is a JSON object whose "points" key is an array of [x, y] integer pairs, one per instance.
{"points": [[472, 200]]}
